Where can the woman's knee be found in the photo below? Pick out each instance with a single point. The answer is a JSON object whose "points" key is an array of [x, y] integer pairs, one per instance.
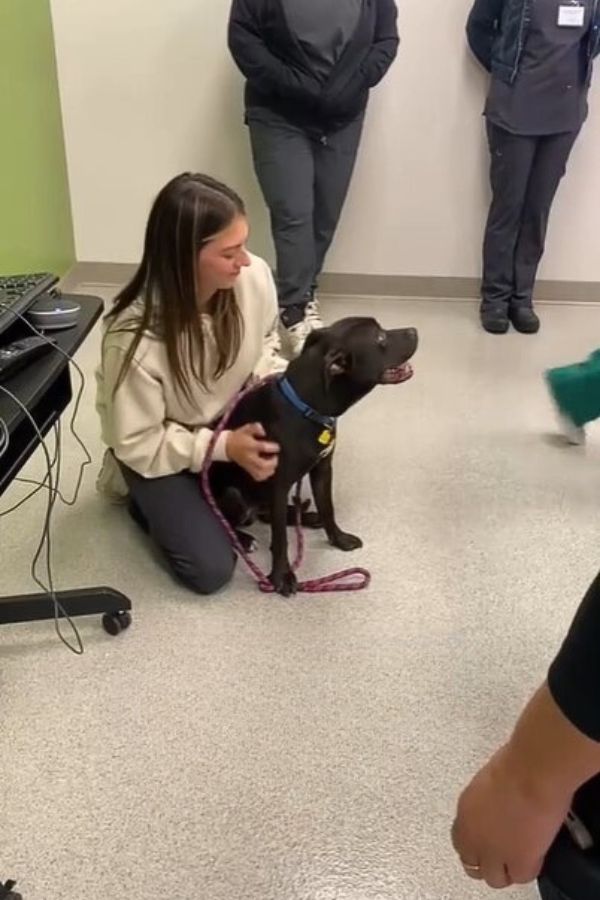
{"points": [[202, 575]]}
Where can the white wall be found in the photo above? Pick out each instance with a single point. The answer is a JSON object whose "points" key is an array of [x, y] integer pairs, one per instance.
{"points": [[148, 90]]}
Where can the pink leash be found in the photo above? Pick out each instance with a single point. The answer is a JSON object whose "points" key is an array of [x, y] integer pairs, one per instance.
{"points": [[355, 579]]}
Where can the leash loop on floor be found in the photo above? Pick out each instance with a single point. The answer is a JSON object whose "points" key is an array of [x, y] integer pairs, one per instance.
{"points": [[353, 579]]}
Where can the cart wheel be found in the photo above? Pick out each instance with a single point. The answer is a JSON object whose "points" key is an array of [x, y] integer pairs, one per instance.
{"points": [[115, 623]]}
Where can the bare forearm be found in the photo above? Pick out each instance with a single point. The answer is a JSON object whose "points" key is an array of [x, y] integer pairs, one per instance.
{"points": [[547, 754], [512, 810]]}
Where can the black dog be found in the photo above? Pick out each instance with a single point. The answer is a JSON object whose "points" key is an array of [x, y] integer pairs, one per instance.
{"points": [[337, 367]]}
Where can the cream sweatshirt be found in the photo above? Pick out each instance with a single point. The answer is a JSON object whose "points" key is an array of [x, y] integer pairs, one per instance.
{"points": [[148, 423]]}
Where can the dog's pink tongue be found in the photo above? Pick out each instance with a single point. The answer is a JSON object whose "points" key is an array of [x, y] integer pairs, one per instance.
{"points": [[398, 374]]}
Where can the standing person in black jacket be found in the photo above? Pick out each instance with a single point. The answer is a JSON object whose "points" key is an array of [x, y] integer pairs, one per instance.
{"points": [[540, 55], [309, 66]]}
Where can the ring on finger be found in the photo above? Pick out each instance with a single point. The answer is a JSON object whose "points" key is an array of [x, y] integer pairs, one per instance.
{"points": [[469, 867]]}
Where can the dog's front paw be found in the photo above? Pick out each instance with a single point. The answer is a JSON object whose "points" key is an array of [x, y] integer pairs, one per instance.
{"points": [[284, 583], [346, 542]]}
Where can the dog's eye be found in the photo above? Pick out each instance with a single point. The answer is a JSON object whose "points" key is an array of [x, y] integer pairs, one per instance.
{"points": [[382, 339]]}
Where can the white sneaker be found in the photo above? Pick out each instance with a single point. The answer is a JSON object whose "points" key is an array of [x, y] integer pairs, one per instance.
{"points": [[272, 360], [312, 315], [296, 336], [572, 433]]}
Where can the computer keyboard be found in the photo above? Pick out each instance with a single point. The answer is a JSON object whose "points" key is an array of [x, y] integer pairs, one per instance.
{"points": [[19, 292]]}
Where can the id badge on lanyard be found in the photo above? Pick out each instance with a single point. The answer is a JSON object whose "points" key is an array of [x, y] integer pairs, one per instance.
{"points": [[571, 15]]}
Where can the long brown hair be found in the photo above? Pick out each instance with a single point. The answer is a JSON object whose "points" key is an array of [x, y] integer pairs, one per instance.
{"points": [[187, 213]]}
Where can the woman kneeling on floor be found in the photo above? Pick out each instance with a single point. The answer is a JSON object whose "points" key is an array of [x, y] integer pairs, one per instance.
{"points": [[198, 319]]}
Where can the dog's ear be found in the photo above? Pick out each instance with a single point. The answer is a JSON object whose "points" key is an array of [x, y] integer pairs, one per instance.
{"points": [[336, 363]]}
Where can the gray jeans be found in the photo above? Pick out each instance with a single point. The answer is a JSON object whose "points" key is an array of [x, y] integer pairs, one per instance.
{"points": [[525, 174], [193, 543], [548, 891], [304, 180], [570, 873]]}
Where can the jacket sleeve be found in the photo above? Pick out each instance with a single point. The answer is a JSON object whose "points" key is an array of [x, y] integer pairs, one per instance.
{"points": [[482, 26], [574, 676], [141, 436], [262, 68], [385, 45]]}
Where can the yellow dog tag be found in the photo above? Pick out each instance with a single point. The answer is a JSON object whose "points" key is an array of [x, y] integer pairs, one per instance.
{"points": [[326, 437]]}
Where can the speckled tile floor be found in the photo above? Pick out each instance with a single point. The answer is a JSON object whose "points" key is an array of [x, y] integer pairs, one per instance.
{"points": [[244, 747]]}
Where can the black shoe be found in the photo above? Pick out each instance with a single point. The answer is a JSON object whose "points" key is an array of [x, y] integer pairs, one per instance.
{"points": [[292, 315], [524, 319], [494, 317]]}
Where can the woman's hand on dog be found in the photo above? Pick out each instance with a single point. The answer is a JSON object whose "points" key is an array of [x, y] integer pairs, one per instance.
{"points": [[247, 446]]}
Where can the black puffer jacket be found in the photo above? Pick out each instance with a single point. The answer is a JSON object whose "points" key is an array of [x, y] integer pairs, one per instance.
{"points": [[279, 75]]}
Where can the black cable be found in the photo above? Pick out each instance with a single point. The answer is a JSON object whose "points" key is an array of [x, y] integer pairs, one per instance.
{"points": [[5, 438], [45, 540], [39, 484], [88, 459], [52, 487], [44, 484]]}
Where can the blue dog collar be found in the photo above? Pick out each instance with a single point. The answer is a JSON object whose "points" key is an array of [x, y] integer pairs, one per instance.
{"points": [[307, 411]]}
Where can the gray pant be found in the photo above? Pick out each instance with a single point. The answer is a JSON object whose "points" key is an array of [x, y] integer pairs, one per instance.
{"points": [[549, 892], [304, 181], [570, 873], [525, 174], [176, 516]]}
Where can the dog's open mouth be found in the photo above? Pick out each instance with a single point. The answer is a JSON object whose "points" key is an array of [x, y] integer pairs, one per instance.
{"points": [[398, 374]]}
